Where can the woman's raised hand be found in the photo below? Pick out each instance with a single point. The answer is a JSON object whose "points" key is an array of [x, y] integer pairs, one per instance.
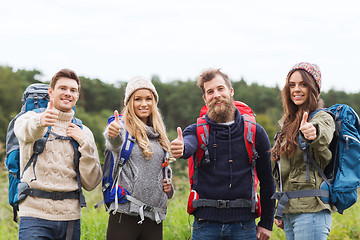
{"points": [[307, 129], [114, 127]]}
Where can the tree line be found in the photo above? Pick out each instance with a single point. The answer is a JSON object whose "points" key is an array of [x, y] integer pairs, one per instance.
{"points": [[179, 102]]}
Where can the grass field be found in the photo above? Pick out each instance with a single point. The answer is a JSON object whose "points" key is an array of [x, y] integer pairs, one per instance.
{"points": [[177, 224]]}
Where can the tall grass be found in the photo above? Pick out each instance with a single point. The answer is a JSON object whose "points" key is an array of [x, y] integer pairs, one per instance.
{"points": [[177, 224]]}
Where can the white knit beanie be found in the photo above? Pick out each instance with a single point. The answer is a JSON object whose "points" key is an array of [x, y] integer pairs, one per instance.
{"points": [[137, 83]]}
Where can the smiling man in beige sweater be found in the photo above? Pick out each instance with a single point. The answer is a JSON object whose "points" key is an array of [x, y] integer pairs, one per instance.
{"points": [[57, 216]]}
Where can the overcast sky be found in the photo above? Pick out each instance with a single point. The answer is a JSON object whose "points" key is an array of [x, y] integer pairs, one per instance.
{"points": [[114, 40]]}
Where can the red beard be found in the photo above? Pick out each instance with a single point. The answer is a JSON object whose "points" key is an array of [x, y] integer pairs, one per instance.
{"points": [[221, 113]]}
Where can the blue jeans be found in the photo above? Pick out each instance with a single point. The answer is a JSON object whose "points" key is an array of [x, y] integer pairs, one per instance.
{"points": [[216, 230], [307, 226], [37, 228]]}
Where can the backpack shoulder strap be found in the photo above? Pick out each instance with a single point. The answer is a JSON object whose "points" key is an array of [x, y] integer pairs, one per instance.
{"points": [[249, 135], [38, 148], [127, 148], [77, 156], [202, 131], [125, 152], [77, 121], [284, 197], [249, 129], [128, 143], [305, 147]]}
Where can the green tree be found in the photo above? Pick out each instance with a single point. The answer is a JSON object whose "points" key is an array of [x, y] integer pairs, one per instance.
{"points": [[266, 122], [96, 95], [180, 102]]}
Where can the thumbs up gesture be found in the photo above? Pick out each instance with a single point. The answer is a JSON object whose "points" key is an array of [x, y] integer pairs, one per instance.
{"points": [[50, 116], [114, 126], [307, 129], [177, 145]]}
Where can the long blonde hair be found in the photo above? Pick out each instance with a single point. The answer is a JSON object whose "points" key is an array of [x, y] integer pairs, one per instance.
{"points": [[137, 129]]}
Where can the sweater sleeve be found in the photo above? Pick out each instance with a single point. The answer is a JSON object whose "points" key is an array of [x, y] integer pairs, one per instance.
{"points": [[27, 127], [114, 144], [267, 183], [325, 126], [190, 141], [89, 166]]}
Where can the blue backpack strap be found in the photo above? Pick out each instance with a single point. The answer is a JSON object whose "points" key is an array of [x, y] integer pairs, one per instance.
{"points": [[118, 194], [77, 156], [126, 149], [77, 121], [127, 146], [124, 154]]}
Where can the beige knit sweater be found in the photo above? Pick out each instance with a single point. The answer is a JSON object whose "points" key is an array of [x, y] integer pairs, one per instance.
{"points": [[55, 170]]}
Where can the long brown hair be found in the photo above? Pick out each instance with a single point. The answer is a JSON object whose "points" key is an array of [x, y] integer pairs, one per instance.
{"points": [[137, 129], [293, 114]]}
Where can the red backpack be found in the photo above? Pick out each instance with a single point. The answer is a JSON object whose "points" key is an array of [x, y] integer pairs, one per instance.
{"points": [[194, 161]]}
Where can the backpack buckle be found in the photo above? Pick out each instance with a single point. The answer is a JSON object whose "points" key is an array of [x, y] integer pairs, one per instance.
{"points": [[57, 196], [223, 203], [148, 208]]}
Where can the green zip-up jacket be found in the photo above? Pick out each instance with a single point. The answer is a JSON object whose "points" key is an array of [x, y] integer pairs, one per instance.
{"points": [[293, 169]]}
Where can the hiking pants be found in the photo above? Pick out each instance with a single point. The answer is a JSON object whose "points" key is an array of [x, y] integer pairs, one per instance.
{"points": [[41, 229], [307, 226], [126, 227]]}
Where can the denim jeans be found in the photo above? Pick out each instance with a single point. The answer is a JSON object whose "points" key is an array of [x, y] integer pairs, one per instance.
{"points": [[225, 231], [36, 228], [307, 226]]}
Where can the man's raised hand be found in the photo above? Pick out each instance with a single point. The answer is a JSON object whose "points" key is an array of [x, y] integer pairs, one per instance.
{"points": [[177, 145], [50, 116], [114, 127], [75, 132]]}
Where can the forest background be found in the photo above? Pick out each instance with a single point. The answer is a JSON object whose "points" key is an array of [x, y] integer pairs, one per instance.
{"points": [[179, 103]]}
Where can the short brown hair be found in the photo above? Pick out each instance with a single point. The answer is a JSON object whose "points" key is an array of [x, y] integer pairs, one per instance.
{"points": [[209, 75], [66, 73]]}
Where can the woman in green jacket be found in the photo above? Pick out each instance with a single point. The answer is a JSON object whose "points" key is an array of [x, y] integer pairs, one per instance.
{"points": [[304, 217]]}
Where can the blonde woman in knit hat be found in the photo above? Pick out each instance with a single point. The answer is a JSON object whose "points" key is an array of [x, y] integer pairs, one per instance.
{"points": [[302, 217], [142, 175]]}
